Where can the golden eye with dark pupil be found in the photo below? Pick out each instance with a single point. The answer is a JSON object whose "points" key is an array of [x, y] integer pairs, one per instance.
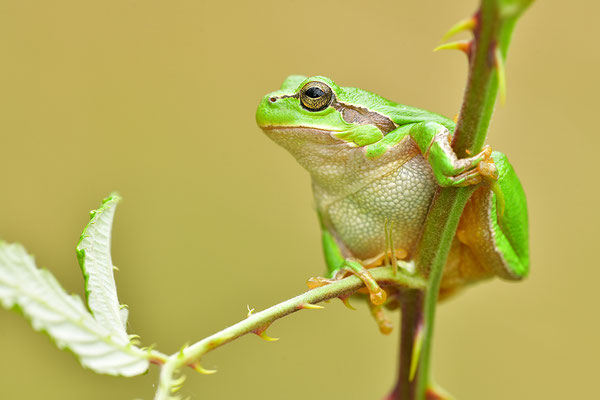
{"points": [[316, 96], [314, 92]]}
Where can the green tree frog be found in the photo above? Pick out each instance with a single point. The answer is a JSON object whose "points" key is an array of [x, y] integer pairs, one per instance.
{"points": [[375, 166]]}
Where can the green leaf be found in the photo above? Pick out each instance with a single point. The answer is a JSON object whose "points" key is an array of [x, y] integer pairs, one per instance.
{"points": [[64, 317], [93, 253]]}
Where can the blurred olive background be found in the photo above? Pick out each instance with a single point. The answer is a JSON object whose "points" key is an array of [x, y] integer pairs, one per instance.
{"points": [[156, 100]]}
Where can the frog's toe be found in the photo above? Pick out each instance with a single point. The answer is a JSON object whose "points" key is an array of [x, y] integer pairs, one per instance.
{"points": [[467, 178], [318, 281], [384, 324], [480, 166], [376, 293], [488, 170]]}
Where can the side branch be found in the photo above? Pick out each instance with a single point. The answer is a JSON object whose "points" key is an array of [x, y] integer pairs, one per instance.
{"points": [[259, 322]]}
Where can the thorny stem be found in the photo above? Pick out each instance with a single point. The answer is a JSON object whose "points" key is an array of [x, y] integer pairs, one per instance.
{"points": [[257, 323], [495, 21]]}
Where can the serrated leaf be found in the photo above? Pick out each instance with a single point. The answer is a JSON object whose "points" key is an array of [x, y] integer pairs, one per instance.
{"points": [[93, 253], [64, 317]]}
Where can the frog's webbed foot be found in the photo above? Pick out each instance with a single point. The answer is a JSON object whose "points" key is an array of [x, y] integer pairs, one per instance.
{"points": [[384, 324], [434, 141], [473, 170], [376, 293]]}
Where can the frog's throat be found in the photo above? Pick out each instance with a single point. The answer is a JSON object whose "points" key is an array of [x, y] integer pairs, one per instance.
{"points": [[302, 140]]}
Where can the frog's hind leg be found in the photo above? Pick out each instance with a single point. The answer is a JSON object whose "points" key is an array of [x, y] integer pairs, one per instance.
{"points": [[509, 219], [494, 228]]}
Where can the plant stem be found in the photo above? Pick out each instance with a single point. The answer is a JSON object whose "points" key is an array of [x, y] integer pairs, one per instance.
{"points": [[495, 21], [411, 323], [258, 323], [449, 205]]}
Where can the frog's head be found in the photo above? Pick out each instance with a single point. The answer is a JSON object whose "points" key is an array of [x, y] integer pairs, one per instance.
{"points": [[310, 112]]}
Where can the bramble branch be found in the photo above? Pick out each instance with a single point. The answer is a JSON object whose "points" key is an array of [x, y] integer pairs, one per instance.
{"points": [[259, 322]]}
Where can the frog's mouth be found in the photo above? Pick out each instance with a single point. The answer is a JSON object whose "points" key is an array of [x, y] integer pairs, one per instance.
{"points": [[282, 134], [303, 129]]}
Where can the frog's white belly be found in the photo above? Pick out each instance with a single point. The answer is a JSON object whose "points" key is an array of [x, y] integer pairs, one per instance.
{"points": [[403, 197]]}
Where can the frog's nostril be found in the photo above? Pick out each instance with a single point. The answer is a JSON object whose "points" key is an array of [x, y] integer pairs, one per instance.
{"points": [[272, 99]]}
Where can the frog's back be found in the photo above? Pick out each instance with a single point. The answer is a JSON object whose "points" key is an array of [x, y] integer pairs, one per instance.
{"points": [[399, 113]]}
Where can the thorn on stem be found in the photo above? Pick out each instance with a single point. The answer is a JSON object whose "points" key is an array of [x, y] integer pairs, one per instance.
{"points": [[462, 45], [262, 333], [176, 385], [416, 352], [182, 349], [198, 368], [134, 339], [250, 310], [149, 349], [346, 300], [309, 306], [467, 24]]}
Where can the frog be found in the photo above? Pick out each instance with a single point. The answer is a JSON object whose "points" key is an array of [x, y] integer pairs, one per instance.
{"points": [[375, 167]]}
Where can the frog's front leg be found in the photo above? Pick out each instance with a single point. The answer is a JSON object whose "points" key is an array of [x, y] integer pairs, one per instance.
{"points": [[434, 140], [338, 266]]}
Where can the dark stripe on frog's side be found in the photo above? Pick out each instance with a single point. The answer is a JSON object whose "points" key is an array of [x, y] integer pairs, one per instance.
{"points": [[363, 116]]}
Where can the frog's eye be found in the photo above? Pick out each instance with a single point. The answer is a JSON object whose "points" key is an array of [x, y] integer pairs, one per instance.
{"points": [[316, 96]]}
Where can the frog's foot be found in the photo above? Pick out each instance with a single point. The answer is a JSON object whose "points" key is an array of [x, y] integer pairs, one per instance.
{"points": [[384, 324], [318, 281], [478, 167], [465, 171], [376, 293], [487, 169], [435, 142]]}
